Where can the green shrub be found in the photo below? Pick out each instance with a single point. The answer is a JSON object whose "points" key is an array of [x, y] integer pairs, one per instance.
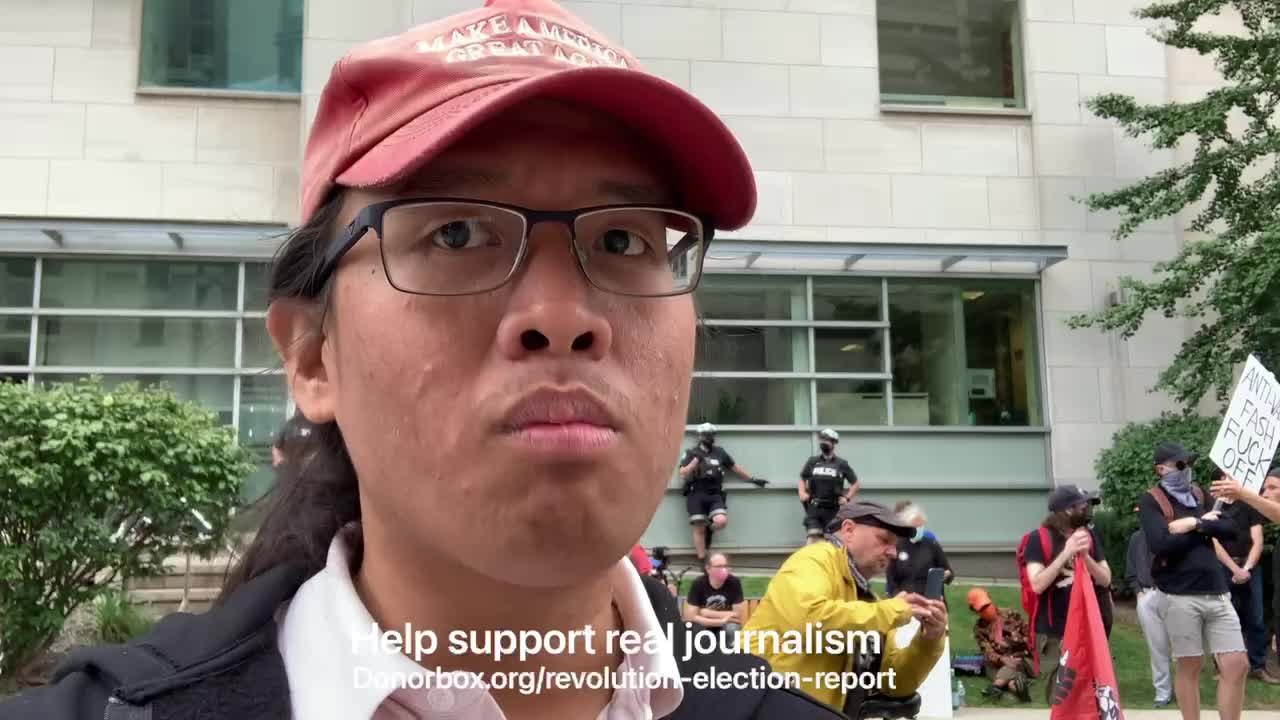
{"points": [[118, 620], [1113, 529], [97, 485]]}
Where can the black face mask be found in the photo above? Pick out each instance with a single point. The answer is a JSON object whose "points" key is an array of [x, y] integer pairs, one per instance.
{"points": [[1081, 518], [826, 448], [708, 441]]}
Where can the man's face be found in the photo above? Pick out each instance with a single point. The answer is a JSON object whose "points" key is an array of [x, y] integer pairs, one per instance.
{"points": [[1271, 488], [871, 547], [988, 613], [1081, 514], [428, 390]]}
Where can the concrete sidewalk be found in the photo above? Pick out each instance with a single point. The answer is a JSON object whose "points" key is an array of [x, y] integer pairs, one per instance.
{"points": [[980, 713]]}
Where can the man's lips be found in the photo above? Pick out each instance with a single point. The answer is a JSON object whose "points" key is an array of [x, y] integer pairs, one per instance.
{"points": [[561, 422]]}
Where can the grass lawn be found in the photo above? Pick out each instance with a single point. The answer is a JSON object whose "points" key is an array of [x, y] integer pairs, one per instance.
{"points": [[1128, 652]]}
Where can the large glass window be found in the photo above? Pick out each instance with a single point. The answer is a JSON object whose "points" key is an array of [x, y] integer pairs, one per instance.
{"points": [[264, 403], [847, 299], [962, 53], [136, 342], [257, 286], [257, 350], [852, 402], [728, 297], [966, 351], [242, 45], [139, 285], [848, 350], [749, 401], [944, 352], [170, 322], [17, 281], [753, 349], [15, 339]]}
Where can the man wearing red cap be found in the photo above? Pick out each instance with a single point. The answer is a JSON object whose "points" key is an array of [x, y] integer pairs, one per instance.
{"points": [[487, 320]]}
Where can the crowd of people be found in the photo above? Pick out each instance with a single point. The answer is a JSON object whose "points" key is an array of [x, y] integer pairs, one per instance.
{"points": [[1191, 565]]}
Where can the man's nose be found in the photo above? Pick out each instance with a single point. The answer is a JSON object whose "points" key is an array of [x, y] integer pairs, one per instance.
{"points": [[553, 310]]}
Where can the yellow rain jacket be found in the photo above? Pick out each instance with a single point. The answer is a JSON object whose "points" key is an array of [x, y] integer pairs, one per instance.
{"points": [[815, 585]]}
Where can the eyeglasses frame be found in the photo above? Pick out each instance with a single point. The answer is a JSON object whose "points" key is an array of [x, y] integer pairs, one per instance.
{"points": [[371, 217]]}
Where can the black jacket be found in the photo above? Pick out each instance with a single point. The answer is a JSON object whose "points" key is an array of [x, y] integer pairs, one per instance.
{"points": [[1184, 564], [224, 665]]}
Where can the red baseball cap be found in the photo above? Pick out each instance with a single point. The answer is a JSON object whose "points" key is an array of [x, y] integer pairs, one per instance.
{"points": [[393, 104]]}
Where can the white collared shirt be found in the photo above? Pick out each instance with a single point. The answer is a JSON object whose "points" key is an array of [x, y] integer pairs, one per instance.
{"points": [[323, 660]]}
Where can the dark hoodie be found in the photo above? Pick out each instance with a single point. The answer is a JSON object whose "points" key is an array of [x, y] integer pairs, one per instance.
{"points": [[1184, 564], [224, 665]]}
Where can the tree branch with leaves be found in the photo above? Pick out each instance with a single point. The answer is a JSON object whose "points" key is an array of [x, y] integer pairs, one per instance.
{"points": [[1228, 279]]}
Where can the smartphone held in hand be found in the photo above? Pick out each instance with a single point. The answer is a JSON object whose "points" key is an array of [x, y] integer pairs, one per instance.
{"points": [[933, 586]]}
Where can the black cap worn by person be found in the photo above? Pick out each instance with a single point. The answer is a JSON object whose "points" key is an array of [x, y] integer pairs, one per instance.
{"points": [[869, 513], [1068, 496], [1172, 452], [1274, 471]]}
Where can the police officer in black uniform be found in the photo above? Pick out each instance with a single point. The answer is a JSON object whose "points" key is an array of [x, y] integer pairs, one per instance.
{"points": [[702, 468], [822, 486]]}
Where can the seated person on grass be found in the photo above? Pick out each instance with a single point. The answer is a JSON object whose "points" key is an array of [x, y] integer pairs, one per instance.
{"points": [[1002, 639], [716, 600]]}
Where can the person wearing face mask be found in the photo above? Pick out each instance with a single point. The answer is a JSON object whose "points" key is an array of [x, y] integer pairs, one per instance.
{"points": [[1180, 528], [822, 486], [716, 600], [702, 468], [909, 570], [1002, 638], [1240, 563], [1052, 575]]}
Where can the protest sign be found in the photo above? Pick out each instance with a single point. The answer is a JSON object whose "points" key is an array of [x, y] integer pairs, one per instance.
{"points": [[1247, 440]]}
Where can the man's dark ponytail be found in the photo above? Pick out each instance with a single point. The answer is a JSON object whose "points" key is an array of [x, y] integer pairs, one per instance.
{"points": [[316, 494]]}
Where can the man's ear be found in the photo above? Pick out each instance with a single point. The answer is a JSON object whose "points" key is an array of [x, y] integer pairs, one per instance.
{"points": [[295, 326]]}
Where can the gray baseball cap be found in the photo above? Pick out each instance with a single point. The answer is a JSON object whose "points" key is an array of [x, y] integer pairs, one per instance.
{"points": [[874, 514]]}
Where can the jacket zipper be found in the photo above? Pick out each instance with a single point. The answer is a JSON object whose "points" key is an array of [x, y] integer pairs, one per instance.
{"points": [[118, 709]]}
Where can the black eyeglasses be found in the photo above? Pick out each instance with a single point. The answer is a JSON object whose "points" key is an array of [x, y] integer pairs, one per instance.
{"points": [[451, 246]]}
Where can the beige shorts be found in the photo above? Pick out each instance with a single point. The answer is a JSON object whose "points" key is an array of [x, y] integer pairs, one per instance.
{"points": [[1195, 622]]}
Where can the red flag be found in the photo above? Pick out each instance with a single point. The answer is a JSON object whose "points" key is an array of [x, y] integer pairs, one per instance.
{"points": [[1086, 686]]}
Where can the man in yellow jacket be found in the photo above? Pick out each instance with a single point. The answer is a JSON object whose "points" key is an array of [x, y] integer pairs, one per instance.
{"points": [[827, 583]]}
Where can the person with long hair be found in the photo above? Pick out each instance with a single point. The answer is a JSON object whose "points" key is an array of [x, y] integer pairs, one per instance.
{"points": [[1053, 574], [487, 318]]}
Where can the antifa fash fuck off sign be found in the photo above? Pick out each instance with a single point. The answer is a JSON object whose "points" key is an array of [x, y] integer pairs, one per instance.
{"points": [[1249, 435]]}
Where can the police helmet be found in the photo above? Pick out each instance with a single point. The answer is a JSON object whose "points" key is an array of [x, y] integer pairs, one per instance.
{"points": [[829, 434]]}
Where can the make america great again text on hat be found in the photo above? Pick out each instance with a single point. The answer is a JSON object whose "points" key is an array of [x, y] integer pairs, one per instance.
{"points": [[520, 36]]}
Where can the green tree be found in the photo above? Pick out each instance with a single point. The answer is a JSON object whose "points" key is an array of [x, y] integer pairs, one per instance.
{"points": [[1230, 279], [97, 485]]}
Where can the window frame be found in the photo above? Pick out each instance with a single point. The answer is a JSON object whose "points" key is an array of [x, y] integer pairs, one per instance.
{"points": [[1036, 342], [142, 88], [1017, 105], [237, 371]]}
